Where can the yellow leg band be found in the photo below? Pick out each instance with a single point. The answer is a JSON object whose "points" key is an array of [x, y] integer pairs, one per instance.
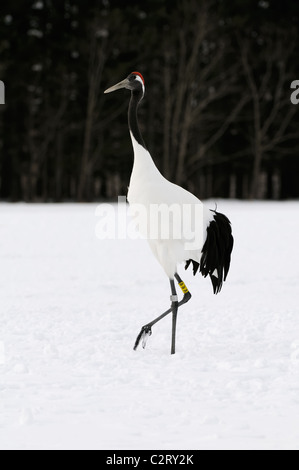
{"points": [[183, 287]]}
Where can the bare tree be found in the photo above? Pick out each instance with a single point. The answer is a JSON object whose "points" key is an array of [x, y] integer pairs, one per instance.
{"points": [[267, 79], [97, 56], [43, 125], [194, 78]]}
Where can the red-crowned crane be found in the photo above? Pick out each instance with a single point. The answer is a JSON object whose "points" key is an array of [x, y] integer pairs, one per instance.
{"points": [[209, 251]]}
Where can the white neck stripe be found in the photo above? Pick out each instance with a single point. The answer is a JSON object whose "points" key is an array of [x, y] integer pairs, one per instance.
{"points": [[141, 81]]}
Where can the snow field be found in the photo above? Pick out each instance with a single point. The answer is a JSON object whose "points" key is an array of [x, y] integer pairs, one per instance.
{"points": [[71, 306]]}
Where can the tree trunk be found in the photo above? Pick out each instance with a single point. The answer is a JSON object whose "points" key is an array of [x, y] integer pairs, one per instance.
{"points": [[96, 63]]}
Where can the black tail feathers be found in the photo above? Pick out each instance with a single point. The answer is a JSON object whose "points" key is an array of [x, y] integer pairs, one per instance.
{"points": [[216, 252]]}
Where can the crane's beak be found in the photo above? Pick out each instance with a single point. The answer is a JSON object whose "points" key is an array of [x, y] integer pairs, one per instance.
{"points": [[123, 84]]}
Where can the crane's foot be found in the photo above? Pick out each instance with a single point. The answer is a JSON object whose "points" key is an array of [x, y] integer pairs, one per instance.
{"points": [[145, 332]]}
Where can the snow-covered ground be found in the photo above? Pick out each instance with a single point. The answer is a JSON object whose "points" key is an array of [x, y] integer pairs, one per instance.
{"points": [[71, 306]]}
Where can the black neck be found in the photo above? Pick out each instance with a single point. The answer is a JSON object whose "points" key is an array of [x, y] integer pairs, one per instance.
{"points": [[136, 96]]}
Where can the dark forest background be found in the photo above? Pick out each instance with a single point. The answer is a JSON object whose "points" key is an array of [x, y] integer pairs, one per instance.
{"points": [[217, 115]]}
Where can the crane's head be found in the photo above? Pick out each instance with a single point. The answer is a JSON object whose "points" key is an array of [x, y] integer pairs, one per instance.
{"points": [[133, 82]]}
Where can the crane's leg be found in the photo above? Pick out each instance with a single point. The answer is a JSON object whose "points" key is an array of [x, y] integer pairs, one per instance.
{"points": [[146, 330], [174, 308]]}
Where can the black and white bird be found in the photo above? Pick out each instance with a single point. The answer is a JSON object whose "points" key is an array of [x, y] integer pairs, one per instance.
{"points": [[178, 226]]}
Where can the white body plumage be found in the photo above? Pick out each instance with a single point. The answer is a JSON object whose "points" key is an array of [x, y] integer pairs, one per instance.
{"points": [[173, 220]]}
